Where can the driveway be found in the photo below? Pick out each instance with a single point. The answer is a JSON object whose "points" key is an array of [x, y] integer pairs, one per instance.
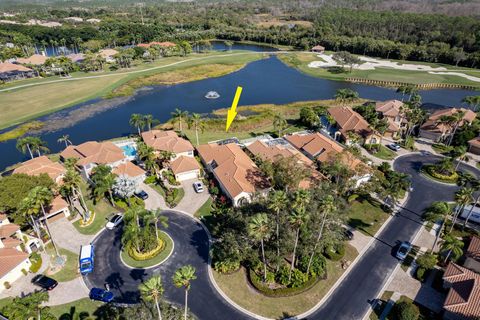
{"points": [[66, 236], [191, 201], [155, 200]]}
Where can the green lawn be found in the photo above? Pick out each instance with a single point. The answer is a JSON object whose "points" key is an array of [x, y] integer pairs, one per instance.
{"points": [[236, 287], [151, 262], [70, 269], [425, 313], [366, 215], [377, 311], [384, 153], [102, 211], [205, 209], [4, 302], [179, 197], [76, 308]]}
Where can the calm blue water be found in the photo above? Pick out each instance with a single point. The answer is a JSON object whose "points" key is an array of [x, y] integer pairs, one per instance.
{"points": [[264, 81]]}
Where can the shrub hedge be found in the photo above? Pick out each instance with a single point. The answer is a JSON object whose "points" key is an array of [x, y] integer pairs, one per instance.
{"points": [[257, 283], [134, 254], [36, 262], [430, 170], [335, 253]]}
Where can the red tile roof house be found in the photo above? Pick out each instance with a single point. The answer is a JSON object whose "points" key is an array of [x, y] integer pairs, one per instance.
{"points": [[10, 72], [131, 171], [347, 120], [12, 258], [463, 298], [92, 153], [36, 59], [472, 254], [185, 168], [238, 176], [434, 130], [392, 111]]}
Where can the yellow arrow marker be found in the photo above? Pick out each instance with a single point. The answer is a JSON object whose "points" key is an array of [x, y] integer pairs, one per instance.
{"points": [[233, 110]]}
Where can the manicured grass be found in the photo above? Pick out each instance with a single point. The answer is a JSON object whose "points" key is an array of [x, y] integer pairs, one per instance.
{"points": [[236, 287], [102, 211], [78, 307], [179, 197], [151, 262], [4, 302], [366, 215], [425, 173], [23, 104], [301, 61], [205, 209], [70, 269], [384, 153], [159, 189]]}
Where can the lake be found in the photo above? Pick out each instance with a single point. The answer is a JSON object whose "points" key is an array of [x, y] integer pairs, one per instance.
{"points": [[263, 81]]}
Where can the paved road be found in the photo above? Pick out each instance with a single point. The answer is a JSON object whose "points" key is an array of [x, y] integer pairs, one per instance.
{"points": [[191, 247]]}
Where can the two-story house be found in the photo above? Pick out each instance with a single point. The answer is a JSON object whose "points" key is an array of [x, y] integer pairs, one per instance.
{"points": [[438, 130], [392, 111]]}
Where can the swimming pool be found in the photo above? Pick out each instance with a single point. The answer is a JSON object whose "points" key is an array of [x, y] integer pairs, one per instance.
{"points": [[129, 150]]}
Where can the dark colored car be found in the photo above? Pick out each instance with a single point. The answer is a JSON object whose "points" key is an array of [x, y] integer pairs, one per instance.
{"points": [[100, 295], [142, 194], [348, 234], [44, 282]]}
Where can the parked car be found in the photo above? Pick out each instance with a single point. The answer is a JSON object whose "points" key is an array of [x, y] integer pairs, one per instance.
{"points": [[114, 221], [348, 233], [198, 186], [44, 282], [393, 146], [403, 250], [142, 195], [101, 295]]}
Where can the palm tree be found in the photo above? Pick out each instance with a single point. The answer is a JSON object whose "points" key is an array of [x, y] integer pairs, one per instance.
{"points": [[455, 120], [277, 202], [137, 120], [178, 116], [64, 139], [463, 197], [157, 217], [475, 185], [24, 145], [148, 119], [130, 234], [346, 95], [452, 245], [472, 101], [152, 290], [439, 210], [327, 207], [459, 153], [71, 185], [198, 124], [38, 145], [259, 229], [182, 278], [102, 182], [296, 219], [279, 123]]}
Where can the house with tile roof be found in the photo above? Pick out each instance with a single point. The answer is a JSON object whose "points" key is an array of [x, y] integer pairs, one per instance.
{"points": [[165, 44], [463, 298], [42, 164], [131, 171], [272, 150], [92, 153], [435, 130], [347, 120], [238, 176], [10, 72], [472, 254], [36, 59], [185, 168], [168, 140], [392, 111], [108, 54]]}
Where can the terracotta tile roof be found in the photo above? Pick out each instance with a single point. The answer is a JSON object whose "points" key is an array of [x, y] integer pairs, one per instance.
{"points": [[184, 164], [474, 142], [463, 298], [8, 229], [349, 120], [318, 47], [233, 168], [165, 44], [473, 249], [76, 57], [389, 108], [94, 152], [128, 169], [11, 242], [107, 52], [316, 145], [9, 259], [39, 165], [57, 205], [432, 122], [10, 67], [166, 141], [36, 59]]}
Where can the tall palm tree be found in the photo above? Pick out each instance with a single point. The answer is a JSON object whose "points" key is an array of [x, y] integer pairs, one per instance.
{"points": [[327, 207], [198, 124], [183, 278], [463, 197], [296, 219], [475, 185], [71, 185], [472, 101], [152, 290], [24, 145], [102, 182], [279, 123], [452, 245], [137, 120], [439, 210], [459, 153], [157, 217], [38, 145], [148, 119], [64, 139], [277, 202], [457, 119], [259, 229], [178, 116], [346, 95]]}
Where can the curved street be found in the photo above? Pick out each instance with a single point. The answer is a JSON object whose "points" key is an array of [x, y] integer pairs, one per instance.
{"points": [[350, 300]]}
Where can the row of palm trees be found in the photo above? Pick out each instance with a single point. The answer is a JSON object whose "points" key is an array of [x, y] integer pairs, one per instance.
{"points": [[32, 145], [152, 289]]}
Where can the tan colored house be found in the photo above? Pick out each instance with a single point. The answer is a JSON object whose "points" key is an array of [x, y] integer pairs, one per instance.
{"points": [[318, 49], [92, 153], [130, 170], [57, 209], [108, 54], [42, 164], [36, 59], [168, 140], [347, 120], [238, 176], [474, 145], [273, 152], [434, 130], [165, 44], [463, 298], [10, 72], [185, 168], [391, 110]]}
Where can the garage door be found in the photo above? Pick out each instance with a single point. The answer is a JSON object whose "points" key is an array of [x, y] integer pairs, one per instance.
{"points": [[187, 175], [55, 217]]}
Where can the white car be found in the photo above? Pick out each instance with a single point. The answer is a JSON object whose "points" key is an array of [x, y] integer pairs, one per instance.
{"points": [[403, 250], [114, 221], [198, 186], [393, 146]]}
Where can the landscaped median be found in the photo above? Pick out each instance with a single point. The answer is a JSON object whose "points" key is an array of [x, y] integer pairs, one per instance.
{"points": [[238, 287], [158, 255], [432, 171]]}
